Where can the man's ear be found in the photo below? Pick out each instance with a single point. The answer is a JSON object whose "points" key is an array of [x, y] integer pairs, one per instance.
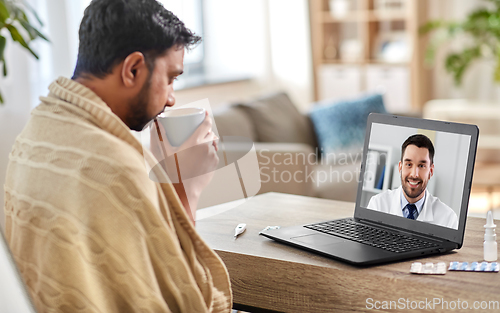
{"points": [[134, 70], [400, 165], [431, 172]]}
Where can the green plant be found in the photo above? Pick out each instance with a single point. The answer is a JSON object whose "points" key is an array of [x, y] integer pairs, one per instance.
{"points": [[480, 38], [13, 18]]}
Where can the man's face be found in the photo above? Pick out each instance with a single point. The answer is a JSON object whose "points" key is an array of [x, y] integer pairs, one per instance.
{"points": [[157, 92], [416, 170]]}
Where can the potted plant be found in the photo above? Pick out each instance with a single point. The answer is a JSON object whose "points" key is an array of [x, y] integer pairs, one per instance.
{"points": [[14, 19], [480, 39]]}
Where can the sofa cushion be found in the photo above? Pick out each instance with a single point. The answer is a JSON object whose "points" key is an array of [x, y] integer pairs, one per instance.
{"points": [[277, 119], [342, 125], [233, 121]]}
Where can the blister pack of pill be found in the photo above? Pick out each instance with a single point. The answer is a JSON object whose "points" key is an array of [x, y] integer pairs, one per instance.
{"points": [[428, 268], [474, 266]]}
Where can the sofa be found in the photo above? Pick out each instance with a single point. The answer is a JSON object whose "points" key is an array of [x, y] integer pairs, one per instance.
{"points": [[317, 153]]}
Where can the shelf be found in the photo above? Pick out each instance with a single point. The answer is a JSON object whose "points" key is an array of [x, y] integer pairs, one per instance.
{"points": [[342, 62], [362, 16], [385, 63], [365, 33], [375, 16], [372, 190], [364, 62], [355, 16]]}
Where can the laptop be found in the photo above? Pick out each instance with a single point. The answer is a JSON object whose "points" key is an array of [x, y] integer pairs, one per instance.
{"points": [[381, 229], [14, 297]]}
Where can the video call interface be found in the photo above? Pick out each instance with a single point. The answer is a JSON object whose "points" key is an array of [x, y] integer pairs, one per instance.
{"points": [[391, 184]]}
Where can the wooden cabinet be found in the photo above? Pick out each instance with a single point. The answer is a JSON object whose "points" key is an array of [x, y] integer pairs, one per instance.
{"points": [[363, 46]]}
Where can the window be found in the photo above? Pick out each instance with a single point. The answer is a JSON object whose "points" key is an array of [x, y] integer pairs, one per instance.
{"points": [[191, 13]]}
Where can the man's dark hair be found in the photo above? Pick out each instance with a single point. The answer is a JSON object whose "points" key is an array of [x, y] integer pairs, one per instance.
{"points": [[420, 141], [112, 29]]}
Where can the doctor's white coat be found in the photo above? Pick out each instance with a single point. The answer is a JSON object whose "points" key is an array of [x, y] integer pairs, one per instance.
{"points": [[434, 211]]}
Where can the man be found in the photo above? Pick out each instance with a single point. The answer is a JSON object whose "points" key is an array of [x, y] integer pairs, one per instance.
{"points": [[412, 199], [89, 230]]}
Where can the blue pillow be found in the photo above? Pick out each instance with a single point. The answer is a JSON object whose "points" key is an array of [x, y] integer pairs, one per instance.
{"points": [[342, 125]]}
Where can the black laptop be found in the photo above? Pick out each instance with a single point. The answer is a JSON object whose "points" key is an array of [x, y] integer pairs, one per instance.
{"points": [[384, 228]]}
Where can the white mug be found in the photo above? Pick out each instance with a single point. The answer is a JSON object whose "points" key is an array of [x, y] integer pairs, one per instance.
{"points": [[180, 124]]}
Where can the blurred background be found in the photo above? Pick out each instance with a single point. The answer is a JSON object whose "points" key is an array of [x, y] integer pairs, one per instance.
{"points": [[316, 50]]}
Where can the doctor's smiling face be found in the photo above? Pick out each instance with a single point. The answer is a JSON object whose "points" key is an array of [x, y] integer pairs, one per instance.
{"points": [[416, 168]]}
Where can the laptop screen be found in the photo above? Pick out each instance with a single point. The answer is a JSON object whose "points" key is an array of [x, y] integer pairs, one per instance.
{"points": [[418, 172]]}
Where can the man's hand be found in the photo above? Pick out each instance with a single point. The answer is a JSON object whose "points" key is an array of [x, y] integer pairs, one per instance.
{"points": [[190, 166]]}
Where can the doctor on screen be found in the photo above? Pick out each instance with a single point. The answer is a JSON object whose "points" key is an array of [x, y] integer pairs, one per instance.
{"points": [[412, 200]]}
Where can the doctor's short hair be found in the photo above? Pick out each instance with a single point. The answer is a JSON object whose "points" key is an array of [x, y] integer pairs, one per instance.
{"points": [[113, 29], [420, 141]]}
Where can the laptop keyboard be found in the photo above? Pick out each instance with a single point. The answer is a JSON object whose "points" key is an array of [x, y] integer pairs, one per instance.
{"points": [[372, 236]]}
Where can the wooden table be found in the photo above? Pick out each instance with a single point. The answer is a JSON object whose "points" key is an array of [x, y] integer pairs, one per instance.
{"points": [[269, 276]]}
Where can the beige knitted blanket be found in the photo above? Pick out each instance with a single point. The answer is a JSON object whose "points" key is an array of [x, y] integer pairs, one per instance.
{"points": [[89, 230]]}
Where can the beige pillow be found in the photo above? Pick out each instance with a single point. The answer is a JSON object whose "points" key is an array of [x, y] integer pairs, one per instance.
{"points": [[277, 119], [233, 121]]}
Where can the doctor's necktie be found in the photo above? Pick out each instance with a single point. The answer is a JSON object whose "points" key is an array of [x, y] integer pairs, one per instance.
{"points": [[412, 211]]}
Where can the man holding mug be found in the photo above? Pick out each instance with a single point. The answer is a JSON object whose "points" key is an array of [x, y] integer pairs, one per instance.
{"points": [[185, 145], [90, 231]]}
